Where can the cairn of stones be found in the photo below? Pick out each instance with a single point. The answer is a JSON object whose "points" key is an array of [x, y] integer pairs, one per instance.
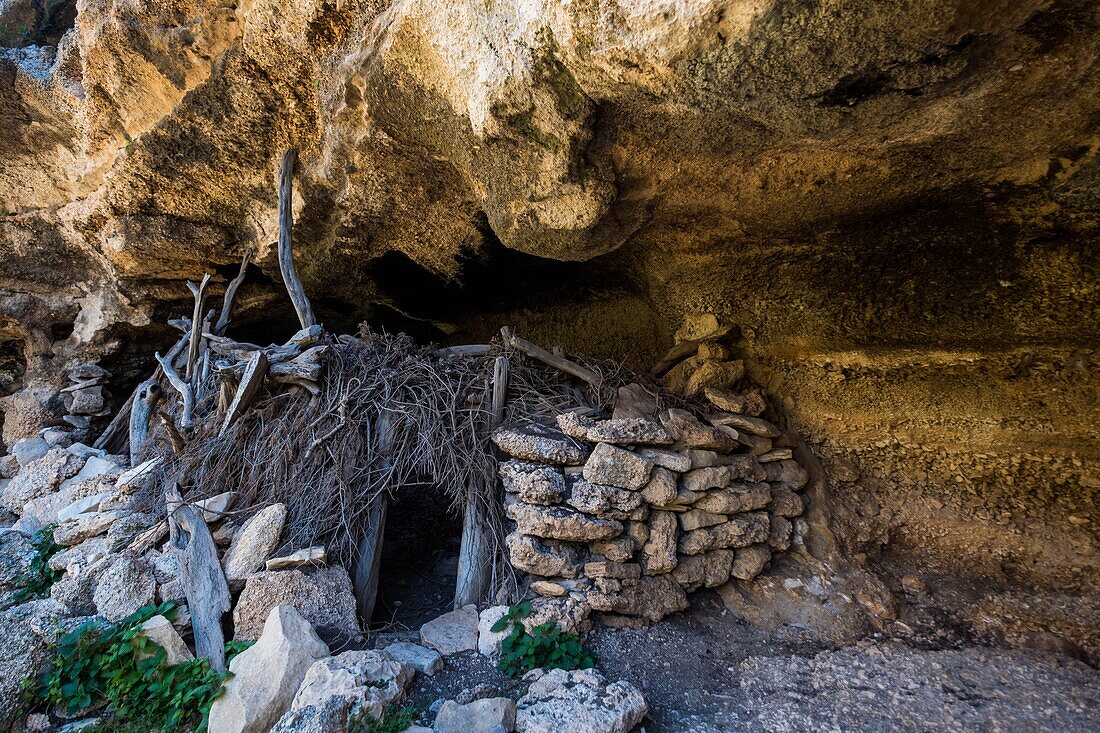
{"points": [[626, 516]]}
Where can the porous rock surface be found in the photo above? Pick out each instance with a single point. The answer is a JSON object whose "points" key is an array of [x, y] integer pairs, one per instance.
{"points": [[581, 701], [823, 174]]}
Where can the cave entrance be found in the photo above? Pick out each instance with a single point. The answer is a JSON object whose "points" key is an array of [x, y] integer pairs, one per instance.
{"points": [[419, 565]]}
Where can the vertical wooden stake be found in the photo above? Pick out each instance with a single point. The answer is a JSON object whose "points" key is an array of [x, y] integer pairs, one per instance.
{"points": [[475, 561]]}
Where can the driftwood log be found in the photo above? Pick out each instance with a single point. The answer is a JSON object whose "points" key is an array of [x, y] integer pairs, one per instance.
{"points": [[286, 255], [201, 577], [199, 291], [148, 394]]}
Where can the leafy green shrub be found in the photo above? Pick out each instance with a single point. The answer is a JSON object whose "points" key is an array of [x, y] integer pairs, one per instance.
{"points": [[394, 720], [545, 646], [42, 576], [235, 647], [118, 666]]}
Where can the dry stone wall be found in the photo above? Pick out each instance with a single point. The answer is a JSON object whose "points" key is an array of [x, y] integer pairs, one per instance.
{"points": [[626, 516]]}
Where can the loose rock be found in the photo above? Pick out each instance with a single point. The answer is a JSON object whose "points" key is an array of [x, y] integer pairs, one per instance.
{"points": [[267, 675], [623, 431], [452, 632], [541, 445], [323, 596], [423, 660], [255, 542], [561, 523], [617, 467], [490, 715], [580, 701], [544, 557], [360, 682]]}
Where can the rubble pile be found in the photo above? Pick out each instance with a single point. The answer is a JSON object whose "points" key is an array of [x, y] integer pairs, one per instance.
{"points": [[626, 516]]}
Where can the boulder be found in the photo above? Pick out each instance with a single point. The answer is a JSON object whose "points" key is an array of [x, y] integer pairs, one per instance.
{"points": [[549, 558], [673, 461], [489, 641], [84, 527], [423, 660], [9, 466], [329, 718], [533, 483], [362, 682], [659, 552], [452, 632], [740, 531], [784, 502], [561, 523], [619, 550], [567, 613], [705, 479], [39, 477], [691, 433], [743, 467], [267, 674], [603, 501], [750, 402], [710, 570], [29, 450], [489, 715], [715, 374], [745, 424], [16, 554], [779, 534], [661, 488], [615, 466], [697, 518], [736, 498], [621, 431], [76, 588], [160, 630], [786, 472], [82, 506], [125, 586], [541, 445], [127, 528], [94, 467], [749, 561], [579, 701], [255, 542], [80, 556], [26, 632], [651, 597], [214, 508], [607, 569], [323, 596]]}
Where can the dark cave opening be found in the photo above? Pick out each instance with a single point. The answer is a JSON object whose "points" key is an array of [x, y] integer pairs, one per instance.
{"points": [[13, 365], [416, 580]]}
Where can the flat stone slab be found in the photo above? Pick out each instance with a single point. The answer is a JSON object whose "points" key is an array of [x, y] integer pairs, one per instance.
{"points": [[452, 632], [541, 445]]}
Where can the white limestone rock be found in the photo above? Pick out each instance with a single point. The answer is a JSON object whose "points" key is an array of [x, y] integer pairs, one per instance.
{"points": [[614, 466], [489, 641], [124, 587], [160, 630], [423, 660], [488, 715], [267, 675], [361, 682], [580, 701], [452, 632], [323, 596], [255, 542]]}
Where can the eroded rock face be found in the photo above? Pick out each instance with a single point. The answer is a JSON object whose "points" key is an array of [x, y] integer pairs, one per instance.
{"points": [[825, 175]]}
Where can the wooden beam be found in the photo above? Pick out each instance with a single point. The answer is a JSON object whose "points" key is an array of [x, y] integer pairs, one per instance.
{"points": [[286, 255], [560, 363]]}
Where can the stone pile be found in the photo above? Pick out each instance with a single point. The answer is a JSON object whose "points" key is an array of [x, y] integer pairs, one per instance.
{"points": [[625, 516], [85, 396]]}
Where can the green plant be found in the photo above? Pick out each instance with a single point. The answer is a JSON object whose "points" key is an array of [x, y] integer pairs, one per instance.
{"points": [[545, 645], [394, 720], [234, 647], [125, 670], [41, 576]]}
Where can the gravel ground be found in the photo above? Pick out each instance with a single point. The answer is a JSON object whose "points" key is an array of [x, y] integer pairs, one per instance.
{"points": [[705, 672]]}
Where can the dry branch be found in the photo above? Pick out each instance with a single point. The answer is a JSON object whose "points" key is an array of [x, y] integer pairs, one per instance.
{"points": [[251, 382], [231, 292], [199, 291], [286, 255], [186, 393]]}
